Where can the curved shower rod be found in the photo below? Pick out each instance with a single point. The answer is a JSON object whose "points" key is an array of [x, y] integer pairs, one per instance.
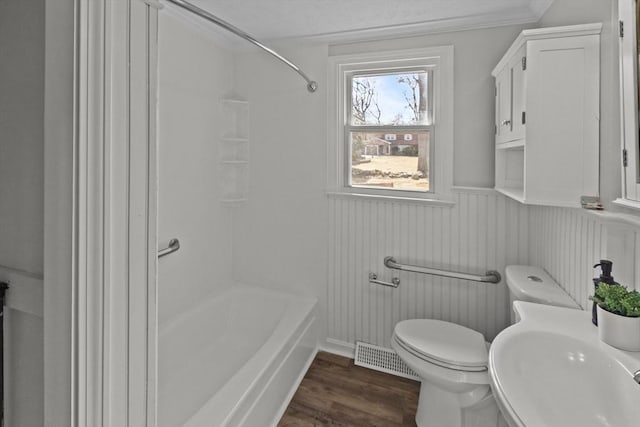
{"points": [[312, 86]]}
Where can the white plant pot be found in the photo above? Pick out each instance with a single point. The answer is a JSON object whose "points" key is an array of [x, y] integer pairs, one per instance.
{"points": [[619, 331]]}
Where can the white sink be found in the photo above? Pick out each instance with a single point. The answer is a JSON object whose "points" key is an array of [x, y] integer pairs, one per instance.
{"points": [[550, 370]]}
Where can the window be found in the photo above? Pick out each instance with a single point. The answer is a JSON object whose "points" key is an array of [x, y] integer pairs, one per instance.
{"points": [[381, 102], [393, 110]]}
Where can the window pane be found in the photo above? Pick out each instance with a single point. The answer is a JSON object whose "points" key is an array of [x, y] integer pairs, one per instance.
{"points": [[390, 99], [399, 162]]}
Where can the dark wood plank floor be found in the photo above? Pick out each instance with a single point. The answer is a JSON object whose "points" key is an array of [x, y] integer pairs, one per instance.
{"points": [[335, 392]]}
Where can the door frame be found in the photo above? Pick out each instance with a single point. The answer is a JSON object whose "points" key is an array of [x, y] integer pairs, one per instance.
{"points": [[100, 213]]}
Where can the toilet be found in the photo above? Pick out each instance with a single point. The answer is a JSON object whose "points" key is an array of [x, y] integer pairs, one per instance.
{"points": [[452, 360]]}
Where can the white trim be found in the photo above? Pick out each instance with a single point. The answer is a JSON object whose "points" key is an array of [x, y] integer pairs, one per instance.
{"points": [[615, 217], [392, 199], [60, 135], [627, 203], [545, 33], [99, 192], [435, 26], [474, 190], [341, 348], [441, 176], [114, 253], [629, 102]]}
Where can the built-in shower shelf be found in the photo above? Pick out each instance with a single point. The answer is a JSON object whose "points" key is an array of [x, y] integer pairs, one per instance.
{"points": [[235, 162], [234, 140], [234, 151], [233, 201], [231, 101]]}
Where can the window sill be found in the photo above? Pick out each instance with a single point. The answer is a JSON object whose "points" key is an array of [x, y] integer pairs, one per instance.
{"points": [[392, 199], [614, 217], [626, 203]]}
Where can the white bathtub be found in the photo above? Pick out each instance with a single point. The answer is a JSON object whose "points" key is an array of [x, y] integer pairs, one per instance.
{"points": [[234, 360]]}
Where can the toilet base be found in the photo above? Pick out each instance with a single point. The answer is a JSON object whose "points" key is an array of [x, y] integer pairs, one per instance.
{"points": [[440, 408]]}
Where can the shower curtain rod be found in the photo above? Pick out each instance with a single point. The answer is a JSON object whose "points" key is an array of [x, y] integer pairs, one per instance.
{"points": [[311, 85]]}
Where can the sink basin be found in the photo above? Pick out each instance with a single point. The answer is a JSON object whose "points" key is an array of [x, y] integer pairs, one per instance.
{"points": [[544, 377]]}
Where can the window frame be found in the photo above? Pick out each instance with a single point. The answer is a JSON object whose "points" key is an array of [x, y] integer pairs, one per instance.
{"points": [[350, 128], [439, 62]]}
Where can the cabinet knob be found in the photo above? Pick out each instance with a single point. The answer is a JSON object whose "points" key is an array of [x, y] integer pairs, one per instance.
{"points": [[506, 122]]}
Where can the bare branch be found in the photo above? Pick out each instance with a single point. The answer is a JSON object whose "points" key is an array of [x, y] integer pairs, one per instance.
{"points": [[364, 95]]}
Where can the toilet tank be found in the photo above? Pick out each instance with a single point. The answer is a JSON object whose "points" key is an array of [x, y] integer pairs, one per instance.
{"points": [[533, 284]]}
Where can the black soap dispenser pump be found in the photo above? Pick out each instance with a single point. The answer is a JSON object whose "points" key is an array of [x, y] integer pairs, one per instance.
{"points": [[606, 266]]}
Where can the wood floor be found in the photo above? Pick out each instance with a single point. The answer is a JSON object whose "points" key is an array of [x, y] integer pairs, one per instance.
{"points": [[335, 392]]}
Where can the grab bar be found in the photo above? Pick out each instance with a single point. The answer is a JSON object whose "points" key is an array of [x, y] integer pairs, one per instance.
{"points": [[490, 276], [174, 245], [373, 278]]}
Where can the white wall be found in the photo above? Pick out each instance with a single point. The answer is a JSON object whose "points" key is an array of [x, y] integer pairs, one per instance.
{"points": [[194, 74], [21, 130], [280, 233], [21, 207], [290, 235]]}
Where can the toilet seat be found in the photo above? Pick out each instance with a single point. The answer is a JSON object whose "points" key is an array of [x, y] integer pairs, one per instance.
{"points": [[443, 343]]}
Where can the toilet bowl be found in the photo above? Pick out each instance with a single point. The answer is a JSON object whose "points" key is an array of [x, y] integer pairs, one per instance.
{"points": [[452, 360]]}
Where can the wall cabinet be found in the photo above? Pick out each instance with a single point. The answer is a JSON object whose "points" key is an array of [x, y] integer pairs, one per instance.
{"points": [[547, 116]]}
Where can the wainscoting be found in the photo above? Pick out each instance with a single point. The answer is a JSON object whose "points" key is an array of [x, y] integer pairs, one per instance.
{"points": [[484, 230], [568, 242]]}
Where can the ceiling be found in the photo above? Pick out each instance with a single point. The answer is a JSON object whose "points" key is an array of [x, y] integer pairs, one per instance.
{"points": [[333, 20]]}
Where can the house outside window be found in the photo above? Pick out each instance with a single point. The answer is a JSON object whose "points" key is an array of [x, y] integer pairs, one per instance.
{"points": [[383, 106], [394, 130]]}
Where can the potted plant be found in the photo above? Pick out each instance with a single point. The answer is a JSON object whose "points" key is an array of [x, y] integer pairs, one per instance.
{"points": [[618, 316]]}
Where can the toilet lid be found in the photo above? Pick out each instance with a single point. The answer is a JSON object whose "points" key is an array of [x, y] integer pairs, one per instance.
{"points": [[445, 342]]}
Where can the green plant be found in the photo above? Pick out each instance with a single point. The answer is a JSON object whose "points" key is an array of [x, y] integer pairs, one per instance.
{"points": [[617, 299]]}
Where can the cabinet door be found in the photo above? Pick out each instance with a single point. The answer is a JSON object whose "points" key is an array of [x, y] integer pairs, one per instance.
{"points": [[510, 100], [563, 107], [517, 73], [503, 106]]}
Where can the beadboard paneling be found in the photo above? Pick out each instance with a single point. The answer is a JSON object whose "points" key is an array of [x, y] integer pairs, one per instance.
{"points": [[568, 242], [482, 231]]}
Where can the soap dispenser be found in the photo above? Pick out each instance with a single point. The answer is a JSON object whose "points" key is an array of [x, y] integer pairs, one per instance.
{"points": [[606, 266]]}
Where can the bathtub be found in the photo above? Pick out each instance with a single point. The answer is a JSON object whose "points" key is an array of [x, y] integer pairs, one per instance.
{"points": [[235, 359]]}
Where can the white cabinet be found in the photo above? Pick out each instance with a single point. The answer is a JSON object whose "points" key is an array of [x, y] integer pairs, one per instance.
{"points": [[547, 116], [510, 119], [234, 151]]}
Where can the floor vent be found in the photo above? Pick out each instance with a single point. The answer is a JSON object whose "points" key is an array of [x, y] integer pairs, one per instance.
{"points": [[382, 359]]}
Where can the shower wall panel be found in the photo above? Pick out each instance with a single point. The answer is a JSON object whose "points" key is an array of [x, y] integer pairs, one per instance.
{"points": [[194, 74]]}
